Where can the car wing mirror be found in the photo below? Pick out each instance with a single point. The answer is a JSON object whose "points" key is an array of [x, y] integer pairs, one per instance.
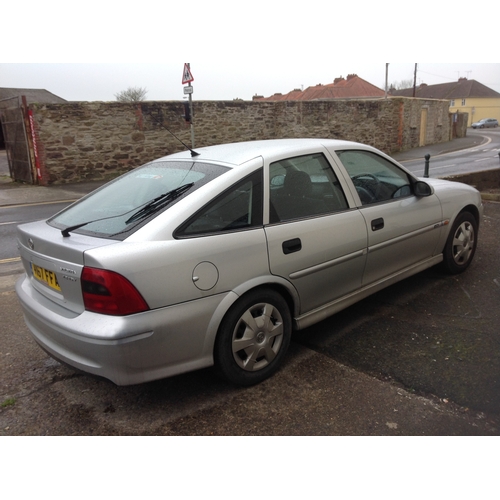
{"points": [[422, 189]]}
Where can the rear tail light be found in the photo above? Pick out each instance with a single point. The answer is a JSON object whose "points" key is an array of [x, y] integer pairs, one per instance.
{"points": [[107, 292]]}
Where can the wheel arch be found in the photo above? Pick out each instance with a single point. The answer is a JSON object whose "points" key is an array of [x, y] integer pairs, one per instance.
{"points": [[279, 285], [474, 211]]}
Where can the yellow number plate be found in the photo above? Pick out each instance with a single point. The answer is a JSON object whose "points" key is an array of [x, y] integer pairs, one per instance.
{"points": [[47, 277]]}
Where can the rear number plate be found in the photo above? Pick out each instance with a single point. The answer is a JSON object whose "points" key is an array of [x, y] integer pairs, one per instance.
{"points": [[47, 277]]}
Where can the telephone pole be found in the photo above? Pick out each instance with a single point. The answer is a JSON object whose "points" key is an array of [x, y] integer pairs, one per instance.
{"points": [[386, 78], [415, 81]]}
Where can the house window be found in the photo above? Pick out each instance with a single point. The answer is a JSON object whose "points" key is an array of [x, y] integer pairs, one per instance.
{"points": [[452, 103], [463, 102]]}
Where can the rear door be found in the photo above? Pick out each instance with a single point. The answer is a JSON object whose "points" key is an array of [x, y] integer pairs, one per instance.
{"points": [[316, 240], [403, 229]]}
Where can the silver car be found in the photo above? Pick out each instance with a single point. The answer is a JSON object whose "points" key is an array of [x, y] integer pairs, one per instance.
{"points": [[486, 123], [215, 256]]}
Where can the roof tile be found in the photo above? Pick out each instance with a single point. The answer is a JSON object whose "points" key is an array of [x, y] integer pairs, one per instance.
{"points": [[351, 88], [462, 89]]}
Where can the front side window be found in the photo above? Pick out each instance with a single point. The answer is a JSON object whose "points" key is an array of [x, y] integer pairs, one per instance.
{"points": [[305, 186], [237, 209], [375, 178]]}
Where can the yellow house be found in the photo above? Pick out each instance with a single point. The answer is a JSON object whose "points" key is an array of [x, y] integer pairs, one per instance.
{"points": [[465, 96]]}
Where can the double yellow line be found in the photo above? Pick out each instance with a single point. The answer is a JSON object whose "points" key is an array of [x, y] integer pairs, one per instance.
{"points": [[13, 259]]}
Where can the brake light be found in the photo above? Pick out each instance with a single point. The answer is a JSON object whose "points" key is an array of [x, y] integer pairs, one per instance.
{"points": [[107, 292]]}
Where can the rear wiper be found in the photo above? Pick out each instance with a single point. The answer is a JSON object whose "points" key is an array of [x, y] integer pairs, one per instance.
{"points": [[65, 232], [151, 207], [159, 202]]}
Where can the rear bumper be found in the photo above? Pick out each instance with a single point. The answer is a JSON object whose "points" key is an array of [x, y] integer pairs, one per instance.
{"points": [[126, 350]]}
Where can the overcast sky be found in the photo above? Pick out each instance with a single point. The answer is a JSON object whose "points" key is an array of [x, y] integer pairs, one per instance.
{"points": [[163, 81], [94, 50]]}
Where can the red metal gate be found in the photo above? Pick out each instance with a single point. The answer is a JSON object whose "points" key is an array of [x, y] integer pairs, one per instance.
{"points": [[12, 119]]}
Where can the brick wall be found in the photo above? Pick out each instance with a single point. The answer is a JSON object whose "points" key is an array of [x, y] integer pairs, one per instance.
{"points": [[81, 141]]}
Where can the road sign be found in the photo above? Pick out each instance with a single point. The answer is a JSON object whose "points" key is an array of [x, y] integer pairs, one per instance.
{"points": [[188, 89], [187, 76]]}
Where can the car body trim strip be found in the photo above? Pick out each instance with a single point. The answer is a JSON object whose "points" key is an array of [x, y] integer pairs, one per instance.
{"points": [[326, 265], [404, 237]]}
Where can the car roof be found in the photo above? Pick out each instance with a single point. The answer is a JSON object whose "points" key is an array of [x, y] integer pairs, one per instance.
{"points": [[241, 152]]}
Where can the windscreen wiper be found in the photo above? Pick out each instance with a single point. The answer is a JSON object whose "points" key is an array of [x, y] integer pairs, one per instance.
{"points": [[151, 207], [159, 202]]}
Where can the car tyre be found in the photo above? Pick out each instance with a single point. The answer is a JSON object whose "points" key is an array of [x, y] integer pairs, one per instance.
{"points": [[253, 338], [461, 245]]}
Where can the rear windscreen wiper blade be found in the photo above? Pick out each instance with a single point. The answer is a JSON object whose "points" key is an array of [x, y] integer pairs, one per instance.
{"points": [[151, 207], [159, 202], [65, 232]]}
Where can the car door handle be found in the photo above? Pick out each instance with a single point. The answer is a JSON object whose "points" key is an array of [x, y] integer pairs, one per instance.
{"points": [[378, 224], [292, 246]]}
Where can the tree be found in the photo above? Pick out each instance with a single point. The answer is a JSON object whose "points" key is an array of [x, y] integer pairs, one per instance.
{"points": [[403, 84], [132, 94]]}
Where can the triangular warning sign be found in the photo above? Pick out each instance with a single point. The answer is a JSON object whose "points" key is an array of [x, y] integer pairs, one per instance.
{"points": [[187, 76]]}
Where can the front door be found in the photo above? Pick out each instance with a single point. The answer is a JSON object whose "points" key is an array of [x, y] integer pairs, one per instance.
{"points": [[403, 229]]}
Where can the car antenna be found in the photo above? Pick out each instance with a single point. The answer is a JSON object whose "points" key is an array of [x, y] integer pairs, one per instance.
{"points": [[193, 152]]}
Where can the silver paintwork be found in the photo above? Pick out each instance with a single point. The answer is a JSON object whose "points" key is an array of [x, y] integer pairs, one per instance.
{"points": [[191, 283]]}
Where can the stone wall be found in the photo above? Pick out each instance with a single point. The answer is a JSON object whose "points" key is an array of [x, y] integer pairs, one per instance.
{"points": [[80, 141]]}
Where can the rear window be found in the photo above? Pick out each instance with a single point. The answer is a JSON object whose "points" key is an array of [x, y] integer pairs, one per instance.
{"points": [[119, 208]]}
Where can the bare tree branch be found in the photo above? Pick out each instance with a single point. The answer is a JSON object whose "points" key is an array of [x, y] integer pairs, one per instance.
{"points": [[132, 94]]}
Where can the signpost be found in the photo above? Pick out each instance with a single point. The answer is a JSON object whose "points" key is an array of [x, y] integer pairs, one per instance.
{"points": [[187, 78]]}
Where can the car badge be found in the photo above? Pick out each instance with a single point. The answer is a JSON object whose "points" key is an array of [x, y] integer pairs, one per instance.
{"points": [[31, 244]]}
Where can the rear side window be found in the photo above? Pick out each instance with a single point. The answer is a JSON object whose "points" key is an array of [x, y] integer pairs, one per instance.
{"points": [[302, 187], [239, 208], [109, 211]]}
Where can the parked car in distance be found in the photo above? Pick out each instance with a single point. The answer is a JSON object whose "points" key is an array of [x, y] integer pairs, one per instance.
{"points": [[486, 123], [213, 257]]}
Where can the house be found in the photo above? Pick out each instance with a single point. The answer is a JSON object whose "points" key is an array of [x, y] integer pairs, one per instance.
{"points": [[352, 87], [465, 96]]}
